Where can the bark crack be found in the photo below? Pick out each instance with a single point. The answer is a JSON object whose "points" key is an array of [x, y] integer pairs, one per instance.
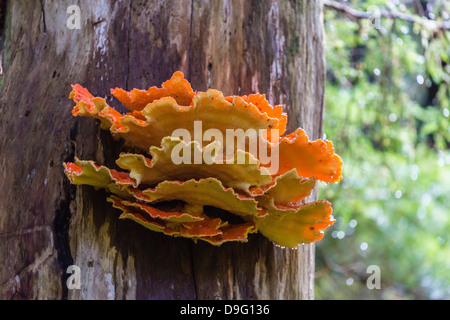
{"points": [[61, 223], [127, 76], [193, 272], [43, 16], [191, 27]]}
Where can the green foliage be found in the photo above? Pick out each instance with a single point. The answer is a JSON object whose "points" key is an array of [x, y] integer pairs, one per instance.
{"points": [[387, 113]]}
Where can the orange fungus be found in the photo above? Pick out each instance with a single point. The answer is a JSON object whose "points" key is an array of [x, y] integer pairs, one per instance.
{"points": [[207, 167]]}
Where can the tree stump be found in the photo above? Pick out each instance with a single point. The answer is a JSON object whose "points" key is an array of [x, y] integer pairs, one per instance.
{"points": [[46, 224]]}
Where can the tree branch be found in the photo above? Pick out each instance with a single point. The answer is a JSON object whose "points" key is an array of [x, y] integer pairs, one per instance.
{"points": [[382, 13]]}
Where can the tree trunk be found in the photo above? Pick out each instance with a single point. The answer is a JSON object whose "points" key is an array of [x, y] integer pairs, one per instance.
{"points": [[46, 224]]}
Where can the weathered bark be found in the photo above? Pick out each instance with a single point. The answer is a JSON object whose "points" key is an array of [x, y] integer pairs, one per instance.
{"points": [[239, 47]]}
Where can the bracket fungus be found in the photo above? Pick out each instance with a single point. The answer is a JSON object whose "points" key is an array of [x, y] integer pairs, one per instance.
{"points": [[195, 166]]}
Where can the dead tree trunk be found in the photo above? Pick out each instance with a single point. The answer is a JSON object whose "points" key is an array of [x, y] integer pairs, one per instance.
{"points": [[46, 224]]}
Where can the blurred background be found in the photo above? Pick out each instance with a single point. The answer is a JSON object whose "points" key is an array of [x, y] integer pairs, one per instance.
{"points": [[387, 113]]}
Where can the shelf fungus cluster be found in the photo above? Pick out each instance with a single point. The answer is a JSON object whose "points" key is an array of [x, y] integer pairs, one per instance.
{"points": [[209, 167]]}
